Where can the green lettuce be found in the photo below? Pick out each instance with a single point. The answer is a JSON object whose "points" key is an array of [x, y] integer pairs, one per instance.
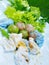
{"points": [[28, 17]]}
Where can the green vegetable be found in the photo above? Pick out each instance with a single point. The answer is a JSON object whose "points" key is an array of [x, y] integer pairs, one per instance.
{"points": [[10, 11], [19, 4], [35, 11], [13, 29], [43, 5], [15, 15], [4, 33], [29, 16]]}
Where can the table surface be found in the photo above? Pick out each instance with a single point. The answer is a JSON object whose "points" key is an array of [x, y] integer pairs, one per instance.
{"points": [[41, 59]]}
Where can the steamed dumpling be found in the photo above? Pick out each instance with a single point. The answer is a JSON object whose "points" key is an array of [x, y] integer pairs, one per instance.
{"points": [[34, 49]]}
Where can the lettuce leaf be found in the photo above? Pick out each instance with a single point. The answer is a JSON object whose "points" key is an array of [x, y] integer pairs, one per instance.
{"points": [[4, 33], [28, 17]]}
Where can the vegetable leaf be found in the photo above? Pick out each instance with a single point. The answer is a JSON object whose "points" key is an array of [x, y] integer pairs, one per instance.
{"points": [[4, 33], [27, 16]]}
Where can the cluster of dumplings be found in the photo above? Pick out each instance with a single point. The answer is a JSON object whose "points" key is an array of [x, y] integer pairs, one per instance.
{"points": [[21, 47]]}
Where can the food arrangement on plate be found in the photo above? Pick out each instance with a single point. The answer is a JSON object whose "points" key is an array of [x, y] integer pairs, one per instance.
{"points": [[22, 31]]}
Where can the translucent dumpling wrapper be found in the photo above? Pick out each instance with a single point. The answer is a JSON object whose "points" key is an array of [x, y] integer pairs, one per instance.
{"points": [[33, 47], [21, 56], [10, 44], [16, 38]]}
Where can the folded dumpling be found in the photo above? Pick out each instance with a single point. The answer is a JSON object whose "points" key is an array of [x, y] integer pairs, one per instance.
{"points": [[33, 47], [22, 56], [11, 43]]}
